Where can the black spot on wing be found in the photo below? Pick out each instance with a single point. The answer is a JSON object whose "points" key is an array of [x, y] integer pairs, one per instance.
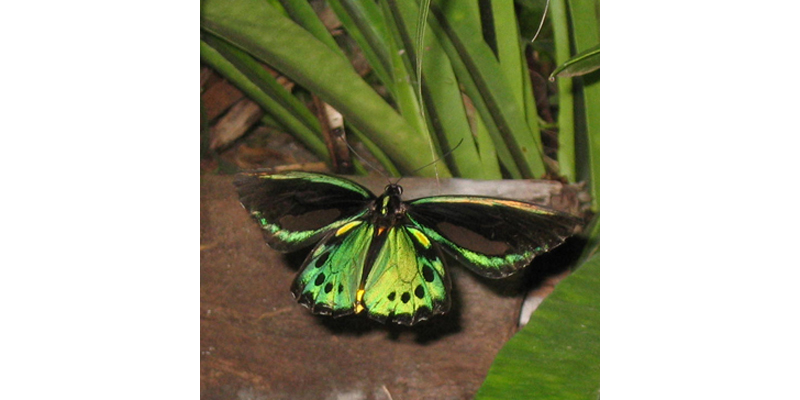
{"points": [[427, 273], [419, 292], [322, 259]]}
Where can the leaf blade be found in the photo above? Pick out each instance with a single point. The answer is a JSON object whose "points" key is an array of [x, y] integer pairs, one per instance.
{"points": [[581, 64], [557, 355]]}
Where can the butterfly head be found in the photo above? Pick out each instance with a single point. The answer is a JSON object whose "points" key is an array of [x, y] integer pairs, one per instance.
{"points": [[393, 189]]}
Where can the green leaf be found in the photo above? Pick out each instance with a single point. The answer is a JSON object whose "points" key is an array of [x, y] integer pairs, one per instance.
{"points": [[583, 63], [363, 21], [566, 99], [301, 12], [586, 34], [241, 70], [376, 152], [557, 355], [261, 30], [502, 113], [511, 55]]}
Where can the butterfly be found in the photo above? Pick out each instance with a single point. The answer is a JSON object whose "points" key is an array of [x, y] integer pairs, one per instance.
{"points": [[384, 256]]}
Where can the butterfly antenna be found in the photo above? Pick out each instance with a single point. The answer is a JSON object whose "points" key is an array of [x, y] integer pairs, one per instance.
{"points": [[364, 160], [541, 23], [435, 161]]}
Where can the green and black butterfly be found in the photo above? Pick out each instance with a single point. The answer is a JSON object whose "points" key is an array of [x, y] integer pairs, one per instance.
{"points": [[382, 255]]}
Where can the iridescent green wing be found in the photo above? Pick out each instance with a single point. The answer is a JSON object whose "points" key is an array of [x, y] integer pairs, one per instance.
{"points": [[295, 209], [407, 281], [493, 237], [330, 277]]}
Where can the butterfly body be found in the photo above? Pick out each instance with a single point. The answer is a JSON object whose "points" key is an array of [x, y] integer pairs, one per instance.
{"points": [[388, 210], [384, 256]]}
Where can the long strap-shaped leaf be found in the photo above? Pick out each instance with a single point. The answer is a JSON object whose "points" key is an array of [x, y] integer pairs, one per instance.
{"points": [[566, 100], [364, 23], [587, 35], [509, 115], [260, 29]]}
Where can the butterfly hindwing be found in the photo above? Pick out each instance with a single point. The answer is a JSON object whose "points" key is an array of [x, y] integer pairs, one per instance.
{"points": [[329, 279], [407, 281], [296, 209], [493, 237]]}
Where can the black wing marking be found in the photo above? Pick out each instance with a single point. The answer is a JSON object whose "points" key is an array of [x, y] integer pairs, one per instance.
{"points": [[493, 237], [295, 209]]}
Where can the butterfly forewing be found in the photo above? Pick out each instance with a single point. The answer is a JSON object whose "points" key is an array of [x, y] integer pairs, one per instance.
{"points": [[296, 209], [407, 282], [493, 237], [329, 279]]}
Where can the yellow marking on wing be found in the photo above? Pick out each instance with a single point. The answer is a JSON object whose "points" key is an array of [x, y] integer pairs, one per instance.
{"points": [[380, 230], [346, 227], [421, 238], [498, 202], [359, 301]]}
